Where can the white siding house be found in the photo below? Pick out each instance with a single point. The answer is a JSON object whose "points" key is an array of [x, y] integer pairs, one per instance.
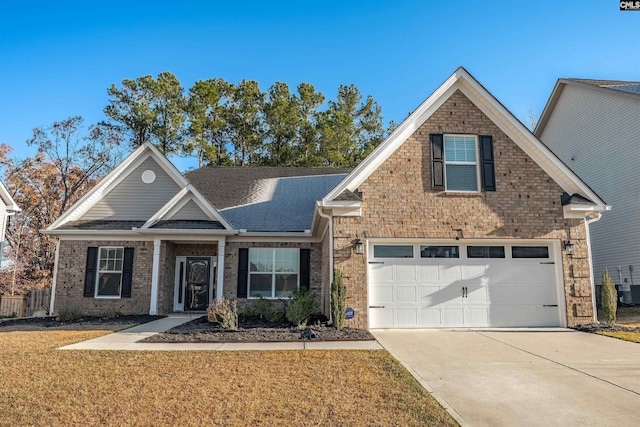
{"points": [[8, 207], [594, 127]]}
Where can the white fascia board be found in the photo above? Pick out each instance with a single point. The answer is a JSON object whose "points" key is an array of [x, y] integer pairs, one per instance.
{"points": [[166, 208], [548, 108], [209, 208], [186, 233], [275, 233], [340, 204], [397, 137], [113, 178], [581, 211], [489, 105], [12, 206], [97, 234]]}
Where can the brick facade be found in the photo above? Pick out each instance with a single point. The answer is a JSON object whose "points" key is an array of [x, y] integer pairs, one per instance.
{"points": [[398, 202], [71, 271]]}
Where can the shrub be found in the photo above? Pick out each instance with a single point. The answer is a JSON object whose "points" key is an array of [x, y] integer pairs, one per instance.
{"points": [[224, 313], [338, 300], [301, 307], [70, 313], [609, 298], [262, 309]]}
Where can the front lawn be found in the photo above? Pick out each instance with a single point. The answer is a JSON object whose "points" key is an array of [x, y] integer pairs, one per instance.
{"points": [[44, 386]]}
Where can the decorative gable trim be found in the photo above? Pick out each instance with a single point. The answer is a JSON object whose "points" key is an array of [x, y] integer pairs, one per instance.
{"points": [[492, 108], [113, 178], [184, 196], [12, 206]]}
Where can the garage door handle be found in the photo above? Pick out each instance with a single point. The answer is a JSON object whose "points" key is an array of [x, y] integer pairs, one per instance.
{"points": [[550, 305], [547, 262], [376, 262], [376, 306]]}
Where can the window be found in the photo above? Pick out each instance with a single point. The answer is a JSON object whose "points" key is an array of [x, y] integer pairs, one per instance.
{"points": [[393, 251], [461, 163], [485, 251], [273, 273], [439, 252], [110, 262], [530, 252]]}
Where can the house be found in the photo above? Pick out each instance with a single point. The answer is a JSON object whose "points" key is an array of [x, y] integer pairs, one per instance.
{"points": [[8, 207], [594, 127], [457, 219]]}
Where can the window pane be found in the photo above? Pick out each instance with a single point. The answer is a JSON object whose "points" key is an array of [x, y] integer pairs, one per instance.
{"points": [[261, 259], [393, 251], [119, 253], [459, 148], [439, 252], [285, 285], [485, 251], [109, 284], [287, 260], [461, 178], [530, 252], [103, 253], [260, 285]]}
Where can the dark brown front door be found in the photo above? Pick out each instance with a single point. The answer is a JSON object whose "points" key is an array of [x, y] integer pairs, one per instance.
{"points": [[197, 286]]}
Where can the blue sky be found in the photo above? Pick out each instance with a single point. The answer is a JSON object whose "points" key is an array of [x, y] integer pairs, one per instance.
{"points": [[58, 58]]}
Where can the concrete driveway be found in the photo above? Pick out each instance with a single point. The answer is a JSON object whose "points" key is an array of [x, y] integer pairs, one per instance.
{"points": [[524, 377]]}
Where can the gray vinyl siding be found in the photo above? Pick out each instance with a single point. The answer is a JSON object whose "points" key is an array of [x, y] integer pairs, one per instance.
{"points": [[132, 199], [597, 134], [190, 211]]}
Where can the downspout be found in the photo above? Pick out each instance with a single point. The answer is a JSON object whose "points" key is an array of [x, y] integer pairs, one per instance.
{"points": [[330, 219], [587, 223], [55, 278]]}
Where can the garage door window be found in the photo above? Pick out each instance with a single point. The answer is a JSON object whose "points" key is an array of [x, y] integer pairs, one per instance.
{"points": [[393, 251], [485, 251], [439, 252], [530, 252]]}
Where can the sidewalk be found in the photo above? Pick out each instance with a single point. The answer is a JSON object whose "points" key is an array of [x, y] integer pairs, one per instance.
{"points": [[127, 340]]}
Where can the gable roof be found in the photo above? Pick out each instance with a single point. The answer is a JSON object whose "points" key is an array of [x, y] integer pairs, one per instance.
{"points": [[616, 87], [490, 106], [11, 205]]}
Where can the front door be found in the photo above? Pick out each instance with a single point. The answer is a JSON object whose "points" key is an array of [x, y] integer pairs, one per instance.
{"points": [[196, 295]]}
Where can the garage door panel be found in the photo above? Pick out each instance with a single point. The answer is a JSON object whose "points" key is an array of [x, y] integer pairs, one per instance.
{"points": [[406, 294], [462, 292], [381, 294], [522, 294]]}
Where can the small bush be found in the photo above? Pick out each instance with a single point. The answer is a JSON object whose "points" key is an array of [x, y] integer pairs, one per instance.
{"points": [[112, 314], [301, 307], [338, 300], [224, 313], [609, 298], [70, 313], [262, 308]]}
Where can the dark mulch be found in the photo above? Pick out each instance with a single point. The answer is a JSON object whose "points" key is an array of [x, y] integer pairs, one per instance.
{"points": [[83, 323], [605, 327], [200, 330]]}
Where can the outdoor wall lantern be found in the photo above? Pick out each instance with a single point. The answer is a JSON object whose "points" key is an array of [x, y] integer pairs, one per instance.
{"points": [[569, 247], [358, 245]]}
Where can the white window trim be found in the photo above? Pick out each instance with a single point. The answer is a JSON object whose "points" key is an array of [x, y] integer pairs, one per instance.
{"points": [[476, 163], [98, 271], [273, 274]]}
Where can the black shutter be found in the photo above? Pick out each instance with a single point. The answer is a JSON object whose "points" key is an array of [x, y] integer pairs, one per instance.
{"points": [[488, 169], [127, 273], [243, 272], [305, 268], [90, 271], [437, 161]]}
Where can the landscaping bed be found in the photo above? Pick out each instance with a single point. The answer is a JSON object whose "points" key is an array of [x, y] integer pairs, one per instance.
{"points": [[605, 327], [256, 330], [112, 323]]}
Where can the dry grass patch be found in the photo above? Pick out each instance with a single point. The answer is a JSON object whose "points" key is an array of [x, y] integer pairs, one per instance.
{"points": [[43, 386], [623, 335]]}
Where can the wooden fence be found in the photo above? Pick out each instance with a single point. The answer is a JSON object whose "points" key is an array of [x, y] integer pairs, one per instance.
{"points": [[36, 303], [13, 305]]}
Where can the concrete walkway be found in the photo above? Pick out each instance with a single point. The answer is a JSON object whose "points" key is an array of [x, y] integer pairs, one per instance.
{"points": [[524, 377], [128, 340]]}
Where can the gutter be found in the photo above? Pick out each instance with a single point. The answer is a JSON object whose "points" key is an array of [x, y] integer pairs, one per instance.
{"points": [[330, 219], [588, 221]]}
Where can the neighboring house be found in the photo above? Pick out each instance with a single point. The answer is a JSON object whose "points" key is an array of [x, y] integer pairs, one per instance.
{"points": [[456, 219], [594, 127], [8, 207]]}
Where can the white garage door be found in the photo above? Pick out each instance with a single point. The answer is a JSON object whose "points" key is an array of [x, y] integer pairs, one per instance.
{"points": [[463, 285]]}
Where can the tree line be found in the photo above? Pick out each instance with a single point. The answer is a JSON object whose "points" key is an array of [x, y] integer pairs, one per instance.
{"points": [[219, 122], [223, 123]]}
